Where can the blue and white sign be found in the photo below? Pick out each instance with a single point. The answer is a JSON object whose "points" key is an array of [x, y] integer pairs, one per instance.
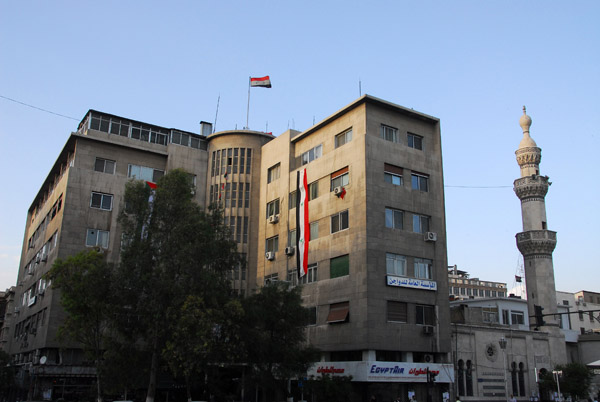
{"points": [[411, 283]]}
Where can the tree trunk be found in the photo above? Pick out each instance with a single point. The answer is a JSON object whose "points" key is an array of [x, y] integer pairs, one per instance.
{"points": [[187, 388], [153, 372], [98, 388]]}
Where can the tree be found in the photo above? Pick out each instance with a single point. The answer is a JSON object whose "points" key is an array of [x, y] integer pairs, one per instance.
{"points": [[84, 281], [172, 250], [574, 381], [203, 336], [7, 375], [274, 336]]}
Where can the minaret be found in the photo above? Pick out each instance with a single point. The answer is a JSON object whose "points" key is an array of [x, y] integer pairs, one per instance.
{"points": [[535, 242]]}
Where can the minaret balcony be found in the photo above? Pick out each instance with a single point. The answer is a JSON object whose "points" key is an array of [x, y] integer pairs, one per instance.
{"points": [[532, 187], [536, 242]]}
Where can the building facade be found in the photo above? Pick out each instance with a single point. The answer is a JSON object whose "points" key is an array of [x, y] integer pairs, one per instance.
{"points": [[376, 282], [461, 286]]}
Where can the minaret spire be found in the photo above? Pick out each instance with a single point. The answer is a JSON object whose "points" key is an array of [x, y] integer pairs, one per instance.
{"points": [[535, 242]]}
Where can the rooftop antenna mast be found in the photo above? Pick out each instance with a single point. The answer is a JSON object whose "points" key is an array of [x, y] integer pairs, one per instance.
{"points": [[217, 113], [359, 88]]}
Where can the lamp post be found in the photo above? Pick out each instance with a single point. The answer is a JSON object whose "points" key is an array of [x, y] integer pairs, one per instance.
{"points": [[556, 374], [502, 343]]}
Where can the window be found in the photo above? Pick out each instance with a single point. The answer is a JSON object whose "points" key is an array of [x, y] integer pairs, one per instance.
{"points": [[104, 166], [420, 182], [311, 274], [312, 154], [314, 230], [292, 199], [273, 208], [420, 223], [272, 278], [339, 266], [96, 237], [389, 133], [591, 313], [340, 178], [338, 313], [339, 221], [490, 314], [414, 141], [292, 238], [144, 173], [392, 174], [343, 138], [272, 244], [395, 264], [423, 268], [425, 315], [397, 311], [505, 317], [101, 201], [273, 173], [313, 190], [393, 218], [580, 315], [312, 315], [517, 317]]}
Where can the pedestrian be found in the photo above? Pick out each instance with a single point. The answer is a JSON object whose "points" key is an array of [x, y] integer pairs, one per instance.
{"points": [[457, 400], [512, 398]]}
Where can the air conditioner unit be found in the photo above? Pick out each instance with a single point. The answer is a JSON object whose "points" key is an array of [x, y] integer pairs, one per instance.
{"points": [[428, 330], [338, 190], [273, 218], [42, 291], [269, 255], [289, 250], [430, 236], [428, 358]]}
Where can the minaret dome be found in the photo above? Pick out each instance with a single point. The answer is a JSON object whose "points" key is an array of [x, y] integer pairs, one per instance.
{"points": [[525, 123]]}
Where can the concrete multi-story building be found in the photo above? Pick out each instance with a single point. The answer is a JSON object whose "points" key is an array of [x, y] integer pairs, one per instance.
{"points": [[461, 286], [376, 279], [376, 282]]}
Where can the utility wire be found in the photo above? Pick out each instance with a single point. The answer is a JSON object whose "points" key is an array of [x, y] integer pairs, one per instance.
{"points": [[38, 108], [480, 186]]}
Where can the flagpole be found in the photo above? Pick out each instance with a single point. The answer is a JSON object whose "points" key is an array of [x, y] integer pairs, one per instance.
{"points": [[248, 109]]}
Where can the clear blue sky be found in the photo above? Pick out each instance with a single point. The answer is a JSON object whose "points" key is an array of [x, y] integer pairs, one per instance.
{"points": [[473, 64]]}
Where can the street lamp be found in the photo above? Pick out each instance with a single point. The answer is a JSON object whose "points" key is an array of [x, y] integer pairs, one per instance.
{"points": [[556, 374], [502, 343]]}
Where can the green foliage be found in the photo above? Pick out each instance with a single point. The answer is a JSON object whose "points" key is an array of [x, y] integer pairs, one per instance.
{"points": [[172, 270], [84, 281], [330, 388], [274, 335], [7, 374], [574, 381]]}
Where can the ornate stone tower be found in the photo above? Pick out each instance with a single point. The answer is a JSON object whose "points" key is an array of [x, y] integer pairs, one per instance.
{"points": [[535, 242]]}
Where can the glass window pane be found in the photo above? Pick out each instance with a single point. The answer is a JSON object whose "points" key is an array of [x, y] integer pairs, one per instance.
{"points": [[96, 200], [335, 223], [389, 218], [344, 218], [91, 237], [106, 202], [99, 165], [398, 219], [109, 167], [103, 239]]}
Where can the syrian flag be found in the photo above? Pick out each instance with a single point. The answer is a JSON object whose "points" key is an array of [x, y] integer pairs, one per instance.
{"points": [[302, 224], [264, 82]]}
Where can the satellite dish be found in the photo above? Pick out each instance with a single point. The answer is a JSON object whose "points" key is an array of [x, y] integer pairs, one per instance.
{"points": [[43, 360]]}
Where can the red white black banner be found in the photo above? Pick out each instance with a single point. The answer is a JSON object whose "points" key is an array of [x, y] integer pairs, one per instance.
{"points": [[302, 224], [264, 82]]}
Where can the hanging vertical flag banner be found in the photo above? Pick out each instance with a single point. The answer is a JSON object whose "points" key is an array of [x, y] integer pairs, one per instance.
{"points": [[264, 82], [302, 223]]}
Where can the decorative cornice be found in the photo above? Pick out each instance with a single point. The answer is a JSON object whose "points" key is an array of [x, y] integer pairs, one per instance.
{"points": [[528, 156], [536, 242], [531, 187]]}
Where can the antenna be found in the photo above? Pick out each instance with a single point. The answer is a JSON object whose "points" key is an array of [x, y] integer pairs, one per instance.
{"points": [[359, 88], [217, 113]]}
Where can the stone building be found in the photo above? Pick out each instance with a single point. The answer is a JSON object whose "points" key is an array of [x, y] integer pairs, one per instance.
{"points": [[376, 282], [461, 286]]}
